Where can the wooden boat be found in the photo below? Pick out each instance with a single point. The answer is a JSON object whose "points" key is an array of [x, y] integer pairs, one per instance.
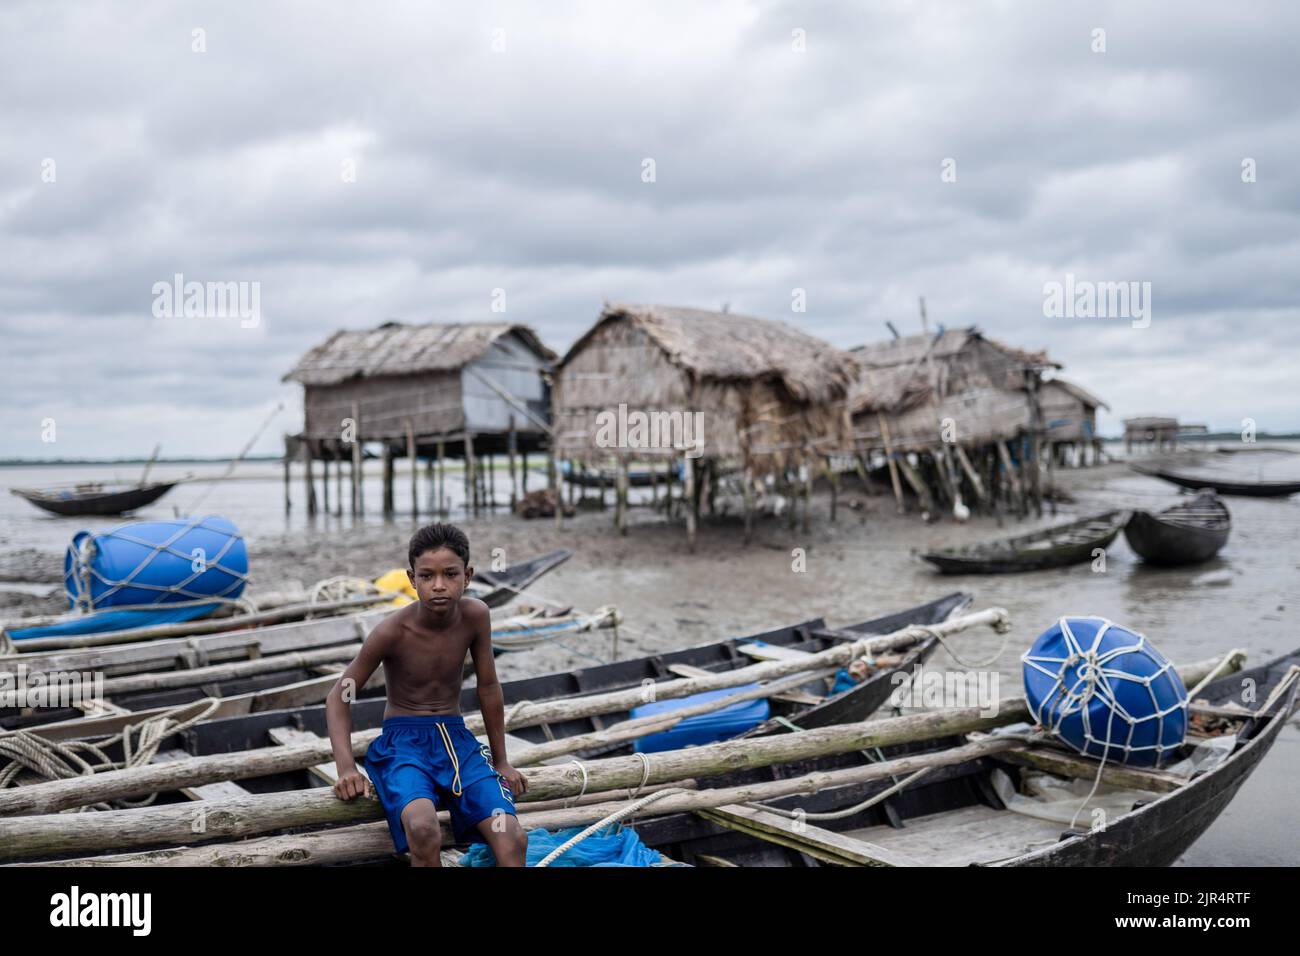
{"points": [[264, 733], [1184, 534], [1223, 486], [251, 708], [956, 815], [249, 730], [94, 499], [496, 588], [1054, 548]]}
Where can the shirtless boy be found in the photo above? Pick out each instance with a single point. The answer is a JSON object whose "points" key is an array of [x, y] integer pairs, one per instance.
{"points": [[426, 757]]}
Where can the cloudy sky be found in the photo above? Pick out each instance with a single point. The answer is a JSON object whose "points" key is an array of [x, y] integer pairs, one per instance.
{"points": [[365, 162]]}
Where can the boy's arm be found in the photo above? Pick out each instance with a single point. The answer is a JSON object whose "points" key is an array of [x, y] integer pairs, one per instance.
{"points": [[491, 701], [338, 710]]}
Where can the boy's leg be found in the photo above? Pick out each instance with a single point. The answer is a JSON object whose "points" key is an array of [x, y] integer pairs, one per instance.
{"points": [[420, 821], [506, 838]]}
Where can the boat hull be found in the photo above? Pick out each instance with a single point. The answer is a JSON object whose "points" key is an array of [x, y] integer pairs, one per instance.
{"points": [[1021, 554], [114, 503], [1159, 542], [1244, 489]]}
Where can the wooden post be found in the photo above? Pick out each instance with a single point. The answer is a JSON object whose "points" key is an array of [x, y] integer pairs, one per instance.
{"points": [[918, 486], [833, 478], [1013, 478], [511, 443], [338, 480], [415, 469], [308, 481], [692, 503], [973, 476], [523, 474], [668, 487], [556, 486], [807, 467], [442, 478], [620, 504], [471, 494], [325, 480], [792, 494], [288, 502], [358, 500], [893, 467], [388, 478], [490, 480], [748, 489]]}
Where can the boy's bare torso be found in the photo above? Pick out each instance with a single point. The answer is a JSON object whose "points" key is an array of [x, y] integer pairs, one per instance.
{"points": [[424, 667]]}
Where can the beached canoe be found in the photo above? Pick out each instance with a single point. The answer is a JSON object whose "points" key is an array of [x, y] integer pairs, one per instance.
{"points": [[94, 499], [1056, 547], [1224, 486], [1184, 534]]}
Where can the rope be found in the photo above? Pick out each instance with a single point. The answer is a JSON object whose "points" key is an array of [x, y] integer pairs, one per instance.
{"points": [[1006, 636], [55, 760], [581, 793], [613, 818], [847, 812]]}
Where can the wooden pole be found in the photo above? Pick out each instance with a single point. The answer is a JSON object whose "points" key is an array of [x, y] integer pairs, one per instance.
{"points": [[889, 456], [620, 503], [1013, 479], [246, 815], [308, 482], [442, 477], [325, 481], [807, 467], [511, 448], [833, 479], [338, 480], [288, 501], [748, 490], [471, 494], [358, 498], [413, 457], [388, 479], [692, 503]]}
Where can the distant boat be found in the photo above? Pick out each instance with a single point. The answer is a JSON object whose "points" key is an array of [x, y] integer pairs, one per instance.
{"points": [[1248, 489], [95, 499], [1056, 547], [1184, 534]]}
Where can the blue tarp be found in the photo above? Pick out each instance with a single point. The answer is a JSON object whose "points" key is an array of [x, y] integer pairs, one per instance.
{"points": [[610, 847], [703, 728], [99, 621]]}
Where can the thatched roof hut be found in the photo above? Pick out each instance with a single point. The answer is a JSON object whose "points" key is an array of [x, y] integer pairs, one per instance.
{"points": [[435, 380], [917, 382], [764, 392], [1069, 411]]}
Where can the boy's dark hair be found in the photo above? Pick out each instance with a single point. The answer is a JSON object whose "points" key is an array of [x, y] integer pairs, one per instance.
{"points": [[434, 536]]}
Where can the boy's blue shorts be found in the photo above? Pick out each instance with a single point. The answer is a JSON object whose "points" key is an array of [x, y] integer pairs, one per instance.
{"points": [[438, 758]]}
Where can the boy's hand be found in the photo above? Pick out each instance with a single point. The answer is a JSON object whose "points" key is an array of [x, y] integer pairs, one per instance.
{"points": [[351, 785], [514, 779]]}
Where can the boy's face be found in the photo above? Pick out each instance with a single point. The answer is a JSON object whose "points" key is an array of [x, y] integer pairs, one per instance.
{"points": [[439, 578]]}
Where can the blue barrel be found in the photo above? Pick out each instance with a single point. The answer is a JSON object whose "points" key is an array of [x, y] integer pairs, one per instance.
{"points": [[1106, 691], [156, 563]]}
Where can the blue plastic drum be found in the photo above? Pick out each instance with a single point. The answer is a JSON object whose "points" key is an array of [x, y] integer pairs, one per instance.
{"points": [[156, 563], [1106, 691]]}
